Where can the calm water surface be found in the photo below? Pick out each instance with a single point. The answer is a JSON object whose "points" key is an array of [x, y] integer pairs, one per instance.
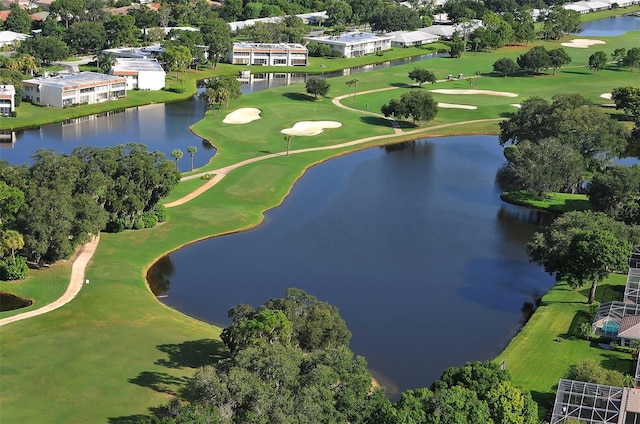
{"points": [[413, 245], [610, 27]]}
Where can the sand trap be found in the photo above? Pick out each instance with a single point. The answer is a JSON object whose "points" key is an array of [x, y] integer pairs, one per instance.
{"points": [[242, 116], [491, 93], [582, 43], [518, 105], [606, 96], [310, 127], [454, 106]]}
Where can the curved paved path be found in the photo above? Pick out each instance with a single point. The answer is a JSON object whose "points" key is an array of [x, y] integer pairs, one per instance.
{"points": [[79, 265], [75, 284]]}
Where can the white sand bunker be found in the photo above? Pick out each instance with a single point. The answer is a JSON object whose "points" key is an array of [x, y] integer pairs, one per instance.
{"points": [[606, 96], [242, 116], [454, 106], [310, 127], [518, 105], [582, 43], [488, 92]]}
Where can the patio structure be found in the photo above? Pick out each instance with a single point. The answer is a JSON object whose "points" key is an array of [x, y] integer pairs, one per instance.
{"points": [[591, 403]]}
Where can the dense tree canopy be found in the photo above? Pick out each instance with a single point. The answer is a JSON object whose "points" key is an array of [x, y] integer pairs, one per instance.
{"points": [[616, 192], [583, 247], [421, 75], [419, 105], [395, 17], [317, 86], [61, 200]]}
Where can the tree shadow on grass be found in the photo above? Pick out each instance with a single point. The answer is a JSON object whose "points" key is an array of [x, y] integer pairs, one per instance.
{"points": [[131, 419], [573, 332], [299, 97], [191, 354], [624, 365], [376, 120], [160, 382], [545, 403], [402, 85]]}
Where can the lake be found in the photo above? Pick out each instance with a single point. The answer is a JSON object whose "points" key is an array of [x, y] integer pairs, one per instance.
{"points": [[610, 27], [412, 243]]}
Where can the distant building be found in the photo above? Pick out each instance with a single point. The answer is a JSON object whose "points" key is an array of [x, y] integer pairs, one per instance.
{"points": [[281, 54], [141, 74], [355, 44], [145, 52], [7, 38], [411, 38], [67, 90], [7, 99]]}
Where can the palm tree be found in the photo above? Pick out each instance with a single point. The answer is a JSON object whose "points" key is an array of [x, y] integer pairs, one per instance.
{"points": [[177, 155], [288, 139], [12, 241], [478, 73], [105, 62], [192, 151], [353, 82], [28, 64]]}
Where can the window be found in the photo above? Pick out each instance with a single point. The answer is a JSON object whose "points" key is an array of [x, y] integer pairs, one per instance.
{"points": [[279, 61]]}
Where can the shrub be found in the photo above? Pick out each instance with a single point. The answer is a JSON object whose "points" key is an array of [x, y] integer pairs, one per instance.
{"points": [[160, 212], [115, 225], [149, 219], [11, 270], [138, 224]]}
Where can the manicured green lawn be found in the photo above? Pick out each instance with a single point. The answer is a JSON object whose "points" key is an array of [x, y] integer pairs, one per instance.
{"points": [[115, 351], [556, 202], [542, 352]]}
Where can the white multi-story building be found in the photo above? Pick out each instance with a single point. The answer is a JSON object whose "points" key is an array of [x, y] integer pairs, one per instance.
{"points": [[281, 54], [67, 90], [141, 74], [7, 99], [355, 44]]}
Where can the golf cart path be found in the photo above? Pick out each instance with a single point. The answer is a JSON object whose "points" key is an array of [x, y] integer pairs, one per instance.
{"points": [[75, 284], [77, 278]]}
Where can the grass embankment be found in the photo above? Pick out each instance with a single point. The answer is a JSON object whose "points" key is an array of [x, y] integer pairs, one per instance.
{"points": [[542, 352], [554, 202], [114, 351]]}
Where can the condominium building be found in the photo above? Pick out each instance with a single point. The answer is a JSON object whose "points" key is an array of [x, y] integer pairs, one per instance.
{"points": [[7, 99], [78, 88], [355, 44], [280, 54], [141, 74]]}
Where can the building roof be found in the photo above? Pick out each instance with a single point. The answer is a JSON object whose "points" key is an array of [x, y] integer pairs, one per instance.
{"points": [[128, 65], [135, 52], [350, 38], [630, 327], [72, 81], [10, 36], [441, 30], [7, 91], [412, 36], [39, 16]]}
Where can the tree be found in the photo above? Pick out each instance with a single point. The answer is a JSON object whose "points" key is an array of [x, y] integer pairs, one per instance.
{"points": [[418, 105], [421, 76], [287, 139], [105, 61], [216, 34], [456, 48], [177, 155], [45, 49], [339, 12], [591, 372], [18, 19], [558, 58], [582, 247], [27, 64], [597, 61], [394, 17], [542, 167], [192, 152], [618, 55], [68, 11], [10, 241], [628, 100], [176, 58], [632, 59], [224, 89], [121, 30], [353, 82], [11, 200], [505, 65], [317, 86], [535, 59], [615, 191]]}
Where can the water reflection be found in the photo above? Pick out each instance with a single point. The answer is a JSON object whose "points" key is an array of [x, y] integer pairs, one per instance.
{"points": [[158, 276], [409, 242], [610, 27]]}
